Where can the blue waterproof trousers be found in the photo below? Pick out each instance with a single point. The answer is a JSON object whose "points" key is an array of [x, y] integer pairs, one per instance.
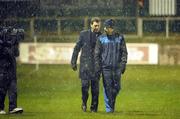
{"points": [[112, 86]]}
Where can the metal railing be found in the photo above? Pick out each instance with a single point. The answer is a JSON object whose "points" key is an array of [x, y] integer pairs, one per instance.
{"points": [[58, 31]]}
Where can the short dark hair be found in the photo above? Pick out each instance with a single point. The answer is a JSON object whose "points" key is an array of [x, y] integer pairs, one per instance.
{"points": [[95, 19]]}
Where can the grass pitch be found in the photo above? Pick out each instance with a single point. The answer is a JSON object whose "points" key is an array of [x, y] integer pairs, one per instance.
{"points": [[54, 92]]}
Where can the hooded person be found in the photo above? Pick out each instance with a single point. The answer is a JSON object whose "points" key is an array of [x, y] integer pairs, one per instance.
{"points": [[110, 60]]}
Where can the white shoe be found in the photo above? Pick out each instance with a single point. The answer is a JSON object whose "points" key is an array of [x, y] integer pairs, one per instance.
{"points": [[17, 110], [2, 112]]}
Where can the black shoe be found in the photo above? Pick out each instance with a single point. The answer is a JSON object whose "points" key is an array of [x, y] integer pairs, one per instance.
{"points": [[93, 107], [93, 110], [83, 107]]}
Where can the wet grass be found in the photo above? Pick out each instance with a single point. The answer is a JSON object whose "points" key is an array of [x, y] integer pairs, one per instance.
{"points": [[53, 92]]}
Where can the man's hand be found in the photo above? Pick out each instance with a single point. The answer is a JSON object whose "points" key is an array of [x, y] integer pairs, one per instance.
{"points": [[74, 67]]}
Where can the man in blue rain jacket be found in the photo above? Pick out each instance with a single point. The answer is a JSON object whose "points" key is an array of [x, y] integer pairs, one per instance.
{"points": [[110, 59]]}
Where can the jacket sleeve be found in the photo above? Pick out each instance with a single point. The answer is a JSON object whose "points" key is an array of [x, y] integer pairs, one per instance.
{"points": [[124, 55], [16, 50], [76, 50], [124, 52], [97, 56]]}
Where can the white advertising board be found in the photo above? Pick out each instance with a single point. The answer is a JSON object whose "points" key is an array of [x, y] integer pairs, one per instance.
{"points": [[60, 53]]}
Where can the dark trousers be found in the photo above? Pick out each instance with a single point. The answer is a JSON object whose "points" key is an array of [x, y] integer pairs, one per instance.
{"points": [[94, 84], [112, 86], [8, 84]]}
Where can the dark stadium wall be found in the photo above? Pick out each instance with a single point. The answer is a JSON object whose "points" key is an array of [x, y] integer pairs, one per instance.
{"points": [[19, 8]]}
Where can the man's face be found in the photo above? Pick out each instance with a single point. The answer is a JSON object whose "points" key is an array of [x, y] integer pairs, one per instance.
{"points": [[95, 26], [109, 30]]}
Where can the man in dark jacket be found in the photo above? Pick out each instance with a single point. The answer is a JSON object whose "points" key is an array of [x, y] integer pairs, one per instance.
{"points": [[86, 44], [8, 80], [110, 59]]}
